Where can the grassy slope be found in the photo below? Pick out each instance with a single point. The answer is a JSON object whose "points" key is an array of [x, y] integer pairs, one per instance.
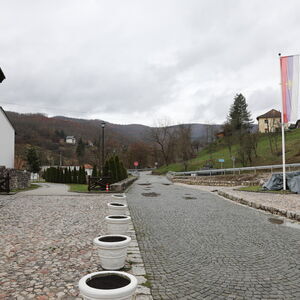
{"points": [[264, 154]]}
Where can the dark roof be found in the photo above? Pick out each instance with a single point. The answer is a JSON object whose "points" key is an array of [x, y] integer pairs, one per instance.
{"points": [[273, 113], [1, 109]]}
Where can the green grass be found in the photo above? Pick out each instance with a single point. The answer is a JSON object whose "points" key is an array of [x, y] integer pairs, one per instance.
{"points": [[78, 187], [265, 157]]}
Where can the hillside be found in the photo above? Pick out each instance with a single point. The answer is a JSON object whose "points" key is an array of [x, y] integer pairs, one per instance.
{"points": [[48, 135], [264, 155]]}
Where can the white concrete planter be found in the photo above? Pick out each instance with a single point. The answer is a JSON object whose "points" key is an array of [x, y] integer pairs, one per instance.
{"points": [[115, 208], [119, 196], [112, 250], [117, 224], [108, 285]]}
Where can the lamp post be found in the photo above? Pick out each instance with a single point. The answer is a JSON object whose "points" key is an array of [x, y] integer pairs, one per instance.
{"points": [[102, 167]]}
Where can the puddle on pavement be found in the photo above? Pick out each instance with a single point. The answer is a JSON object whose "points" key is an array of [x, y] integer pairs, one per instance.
{"points": [[144, 183], [189, 198], [150, 194], [275, 221]]}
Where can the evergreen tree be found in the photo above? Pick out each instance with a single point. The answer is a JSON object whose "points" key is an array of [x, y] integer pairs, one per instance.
{"points": [[112, 168], [239, 117], [94, 172], [80, 150], [106, 171], [123, 171], [118, 169], [69, 177], [33, 161], [75, 176]]}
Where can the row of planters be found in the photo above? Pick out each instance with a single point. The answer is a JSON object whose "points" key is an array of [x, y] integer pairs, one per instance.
{"points": [[112, 250], [65, 175]]}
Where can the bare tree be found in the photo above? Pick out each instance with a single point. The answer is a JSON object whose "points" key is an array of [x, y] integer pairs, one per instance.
{"points": [[164, 136], [184, 144]]}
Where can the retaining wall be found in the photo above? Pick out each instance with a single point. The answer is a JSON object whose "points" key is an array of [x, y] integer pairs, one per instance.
{"points": [[122, 185], [18, 179]]}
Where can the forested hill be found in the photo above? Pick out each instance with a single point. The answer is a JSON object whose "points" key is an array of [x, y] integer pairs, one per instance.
{"points": [[48, 135]]}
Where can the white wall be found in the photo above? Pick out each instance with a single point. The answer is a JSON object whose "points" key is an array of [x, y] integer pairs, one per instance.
{"points": [[7, 142]]}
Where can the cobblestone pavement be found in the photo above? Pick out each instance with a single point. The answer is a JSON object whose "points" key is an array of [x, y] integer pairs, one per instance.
{"points": [[197, 245], [46, 244], [288, 202]]}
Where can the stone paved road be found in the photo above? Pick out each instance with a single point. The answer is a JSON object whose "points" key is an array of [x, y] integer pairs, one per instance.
{"points": [[197, 245], [46, 243]]}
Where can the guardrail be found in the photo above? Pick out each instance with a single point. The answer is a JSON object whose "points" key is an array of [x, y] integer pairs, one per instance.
{"points": [[233, 170]]}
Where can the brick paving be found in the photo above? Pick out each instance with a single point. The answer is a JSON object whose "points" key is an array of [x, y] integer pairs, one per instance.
{"points": [[197, 245], [46, 244]]}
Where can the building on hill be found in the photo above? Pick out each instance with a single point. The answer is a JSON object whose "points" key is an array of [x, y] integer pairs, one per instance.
{"points": [[70, 140], [7, 141], [89, 169], [270, 121]]}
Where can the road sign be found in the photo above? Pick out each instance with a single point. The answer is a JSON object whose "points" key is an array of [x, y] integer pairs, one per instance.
{"points": [[221, 160], [136, 163]]}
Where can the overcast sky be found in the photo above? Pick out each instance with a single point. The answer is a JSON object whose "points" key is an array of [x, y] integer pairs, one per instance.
{"points": [[139, 61]]}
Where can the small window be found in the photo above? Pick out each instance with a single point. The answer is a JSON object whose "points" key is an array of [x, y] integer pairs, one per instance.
{"points": [[266, 122]]}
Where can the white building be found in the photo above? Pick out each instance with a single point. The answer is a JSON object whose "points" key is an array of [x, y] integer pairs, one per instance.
{"points": [[7, 141], [70, 140]]}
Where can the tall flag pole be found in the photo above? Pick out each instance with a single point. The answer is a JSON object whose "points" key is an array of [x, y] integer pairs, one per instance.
{"points": [[289, 70]]}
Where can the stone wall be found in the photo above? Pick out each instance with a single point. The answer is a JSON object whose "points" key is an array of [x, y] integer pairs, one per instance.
{"points": [[121, 186], [18, 179], [212, 181]]}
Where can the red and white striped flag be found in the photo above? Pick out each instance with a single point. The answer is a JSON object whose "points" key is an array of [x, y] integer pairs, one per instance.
{"points": [[289, 66]]}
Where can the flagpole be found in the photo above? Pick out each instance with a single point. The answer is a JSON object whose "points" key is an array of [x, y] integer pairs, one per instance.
{"points": [[282, 136]]}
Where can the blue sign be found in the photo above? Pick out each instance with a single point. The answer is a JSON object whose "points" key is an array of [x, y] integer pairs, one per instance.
{"points": [[221, 160]]}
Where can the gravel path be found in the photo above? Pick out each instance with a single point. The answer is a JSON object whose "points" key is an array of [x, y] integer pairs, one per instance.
{"points": [[197, 245], [50, 189]]}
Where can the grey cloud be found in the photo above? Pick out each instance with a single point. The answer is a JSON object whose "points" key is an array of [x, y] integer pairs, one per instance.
{"points": [[118, 58]]}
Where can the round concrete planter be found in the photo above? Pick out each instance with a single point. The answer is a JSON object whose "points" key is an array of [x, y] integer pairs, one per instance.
{"points": [[115, 208], [112, 250], [108, 285], [119, 196], [117, 224]]}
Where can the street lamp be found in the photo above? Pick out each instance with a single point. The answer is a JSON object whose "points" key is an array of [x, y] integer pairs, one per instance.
{"points": [[103, 126]]}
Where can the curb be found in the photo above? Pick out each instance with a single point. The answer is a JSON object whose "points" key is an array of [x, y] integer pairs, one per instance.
{"points": [[276, 211], [135, 260]]}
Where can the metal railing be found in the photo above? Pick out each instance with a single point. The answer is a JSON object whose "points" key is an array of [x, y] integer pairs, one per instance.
{"points": [[233, 170]]}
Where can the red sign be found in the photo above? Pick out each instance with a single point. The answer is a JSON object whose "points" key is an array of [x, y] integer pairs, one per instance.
{"points": [[136, 163]]}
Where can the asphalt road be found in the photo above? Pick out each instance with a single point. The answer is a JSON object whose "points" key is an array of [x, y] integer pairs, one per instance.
{"points": [[196, 245]]}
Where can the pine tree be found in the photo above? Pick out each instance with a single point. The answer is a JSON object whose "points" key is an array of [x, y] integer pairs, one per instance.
{"points": [[106, 171], [33, 161], [75, 176], [118, 169], [80, 150], [112, 168], [94, 172], [239, 117]]}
